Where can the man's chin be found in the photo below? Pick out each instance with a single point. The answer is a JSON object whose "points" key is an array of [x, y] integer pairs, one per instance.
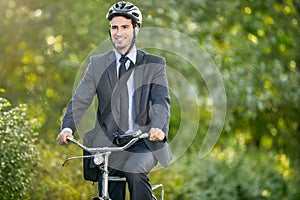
{"points": [[121, 49]]}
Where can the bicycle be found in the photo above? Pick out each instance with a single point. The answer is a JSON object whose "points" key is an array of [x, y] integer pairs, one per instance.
{"points": [[101, 156]]}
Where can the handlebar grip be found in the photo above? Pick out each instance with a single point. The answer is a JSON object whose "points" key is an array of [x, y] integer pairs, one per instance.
{"points": [[144, 135], [70, 139]]}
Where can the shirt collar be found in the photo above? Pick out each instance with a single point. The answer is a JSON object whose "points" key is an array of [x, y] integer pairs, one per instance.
{"points": [[131, 55]]}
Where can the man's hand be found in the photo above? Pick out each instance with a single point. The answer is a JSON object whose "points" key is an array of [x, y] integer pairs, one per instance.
{"points": [[156, 134], [62, 137]]}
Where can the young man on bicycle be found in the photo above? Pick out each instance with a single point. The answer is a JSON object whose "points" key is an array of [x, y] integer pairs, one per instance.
{"points": [[137, 100]]}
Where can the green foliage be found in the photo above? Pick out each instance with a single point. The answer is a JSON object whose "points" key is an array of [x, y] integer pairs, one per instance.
{"points": [[228, 175], [44, 45], [18, 152], [255, 44], [56, 182]]}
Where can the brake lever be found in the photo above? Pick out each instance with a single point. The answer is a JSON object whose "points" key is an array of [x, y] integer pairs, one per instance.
{"points": [[76, 157]]}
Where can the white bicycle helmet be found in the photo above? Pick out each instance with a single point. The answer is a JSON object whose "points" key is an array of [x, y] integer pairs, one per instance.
{"points": [[126, 9]]}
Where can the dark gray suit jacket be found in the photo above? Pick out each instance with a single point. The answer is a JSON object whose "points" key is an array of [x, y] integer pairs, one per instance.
{"points": [[151, 99]]}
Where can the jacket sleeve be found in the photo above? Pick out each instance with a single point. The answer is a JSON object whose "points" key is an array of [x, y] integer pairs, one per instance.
{"points": [[159, 97], [81, 100]]}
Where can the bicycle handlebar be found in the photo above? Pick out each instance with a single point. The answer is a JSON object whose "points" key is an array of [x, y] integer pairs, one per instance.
{"points": [[104, 150], [136, 136]]}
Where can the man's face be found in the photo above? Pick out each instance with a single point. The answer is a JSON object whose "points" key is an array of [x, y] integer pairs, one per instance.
{"points": [[121, 30]]}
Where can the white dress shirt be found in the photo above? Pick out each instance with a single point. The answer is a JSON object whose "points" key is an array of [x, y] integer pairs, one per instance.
{"points": [[130, 86]]}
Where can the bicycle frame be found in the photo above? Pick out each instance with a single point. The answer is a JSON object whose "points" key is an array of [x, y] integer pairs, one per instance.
{"points": [[101, 155]]}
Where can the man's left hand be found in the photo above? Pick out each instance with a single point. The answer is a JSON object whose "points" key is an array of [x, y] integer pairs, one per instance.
{"points": [[156, 134]]}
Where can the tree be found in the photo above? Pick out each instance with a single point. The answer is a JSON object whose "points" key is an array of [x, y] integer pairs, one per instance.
{"points": [[255, 45]]}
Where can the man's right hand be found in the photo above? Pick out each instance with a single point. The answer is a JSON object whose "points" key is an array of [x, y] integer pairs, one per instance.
{"points": [[62, 137]]}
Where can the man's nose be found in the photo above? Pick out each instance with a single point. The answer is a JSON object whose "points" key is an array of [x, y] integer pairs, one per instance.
{"points": [[118, 32]]}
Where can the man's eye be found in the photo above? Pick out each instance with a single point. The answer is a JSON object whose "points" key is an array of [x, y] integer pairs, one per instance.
{"points": [[113, 27]]}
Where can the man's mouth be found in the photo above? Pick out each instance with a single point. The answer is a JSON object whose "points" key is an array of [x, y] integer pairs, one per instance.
{"points": [[119, 40]]}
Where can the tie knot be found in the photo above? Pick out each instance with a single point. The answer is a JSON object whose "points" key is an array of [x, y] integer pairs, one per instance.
{"points": [[123, 59]]}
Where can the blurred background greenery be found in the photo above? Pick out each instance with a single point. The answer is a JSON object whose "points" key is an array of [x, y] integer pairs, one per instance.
{"points": [[255, 45]]}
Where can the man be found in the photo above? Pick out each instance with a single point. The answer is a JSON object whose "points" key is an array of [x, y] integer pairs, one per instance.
{"points": [[137, 100]]}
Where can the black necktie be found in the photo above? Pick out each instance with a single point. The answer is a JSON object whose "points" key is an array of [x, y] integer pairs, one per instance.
{"points": [[124, 102], [122, 68]]}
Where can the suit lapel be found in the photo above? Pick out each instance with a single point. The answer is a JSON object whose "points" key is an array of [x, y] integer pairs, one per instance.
{"points": [[112, 70], [138, 79], [138, 76]]}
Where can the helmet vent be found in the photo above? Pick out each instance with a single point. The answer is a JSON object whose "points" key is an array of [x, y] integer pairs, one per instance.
{"points": [[125, 9]]}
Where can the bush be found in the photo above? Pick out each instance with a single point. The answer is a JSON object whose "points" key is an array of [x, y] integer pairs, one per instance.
{"points": [[230, 175], [56, 182], [18, 153]]}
